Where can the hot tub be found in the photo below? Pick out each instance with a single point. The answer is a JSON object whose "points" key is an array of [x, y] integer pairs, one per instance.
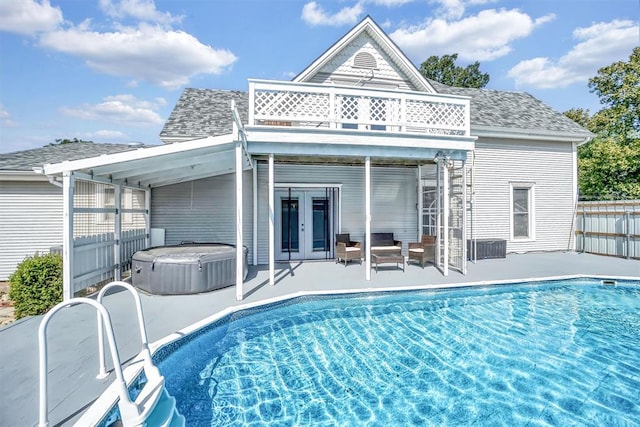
{"points": [[186, 268]]}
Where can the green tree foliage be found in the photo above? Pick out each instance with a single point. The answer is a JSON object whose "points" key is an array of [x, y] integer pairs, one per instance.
{"points": [[618, 86], [62, 141], [443, 70], [36, 285], [609, 165]]}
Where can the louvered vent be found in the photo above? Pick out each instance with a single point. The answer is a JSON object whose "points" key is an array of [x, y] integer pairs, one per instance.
{"points": [[365, 60]]}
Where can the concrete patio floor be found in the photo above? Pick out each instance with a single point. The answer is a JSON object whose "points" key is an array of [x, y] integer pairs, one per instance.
{"points": [[73, 361]]}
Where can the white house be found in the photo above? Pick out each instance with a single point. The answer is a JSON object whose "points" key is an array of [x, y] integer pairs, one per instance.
{"points": [[31, 204], [358, 142]]}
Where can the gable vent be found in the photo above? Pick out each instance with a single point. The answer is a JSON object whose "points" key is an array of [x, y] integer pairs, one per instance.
{"points": [[365, 60]]}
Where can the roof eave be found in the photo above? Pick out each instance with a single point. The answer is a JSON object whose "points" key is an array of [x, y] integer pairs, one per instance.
{"points": [[531, 134]]}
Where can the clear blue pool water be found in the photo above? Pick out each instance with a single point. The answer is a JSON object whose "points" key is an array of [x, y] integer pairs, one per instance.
{"points": [[551, 354]]}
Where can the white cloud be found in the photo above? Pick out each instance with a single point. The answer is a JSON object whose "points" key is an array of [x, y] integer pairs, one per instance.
{"points": [[143, 10], [166, 58], [390, 3], [105, 134], [454, 9], [122, 109], [28, 16], [599, 45], [314, 14], [482, 37], [5, 119]]}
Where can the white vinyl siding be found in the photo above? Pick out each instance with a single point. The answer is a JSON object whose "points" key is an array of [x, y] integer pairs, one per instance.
{"points": [[203, 210], [502, 164], [394, 198], [30, 221]]}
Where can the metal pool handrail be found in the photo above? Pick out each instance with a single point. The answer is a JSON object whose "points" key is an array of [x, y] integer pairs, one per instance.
{"points": [[125, 405], [150, 369]]}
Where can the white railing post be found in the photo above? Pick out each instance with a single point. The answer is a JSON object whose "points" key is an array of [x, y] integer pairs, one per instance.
{"points": [[147, 217], [252, 103], [255, 213], [333, 114], [445, 216]]}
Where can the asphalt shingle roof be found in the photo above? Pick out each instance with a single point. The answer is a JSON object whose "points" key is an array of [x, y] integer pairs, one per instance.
{"points": [[512, 110], [28, 159], [205, 112]]}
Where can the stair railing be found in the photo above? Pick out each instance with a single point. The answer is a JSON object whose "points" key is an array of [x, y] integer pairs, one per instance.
{"points": [[125, 405], [150, 369]]}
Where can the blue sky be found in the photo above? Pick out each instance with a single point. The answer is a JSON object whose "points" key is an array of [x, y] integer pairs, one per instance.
{"points": [[112, 70]]}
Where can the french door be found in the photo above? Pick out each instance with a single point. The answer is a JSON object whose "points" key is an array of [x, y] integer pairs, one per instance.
{"points": [[304, 224]]}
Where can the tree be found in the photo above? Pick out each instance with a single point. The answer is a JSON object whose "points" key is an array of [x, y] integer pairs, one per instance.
{"points": [[609, 165], [443, 70], [618, 86], [62, 141]]}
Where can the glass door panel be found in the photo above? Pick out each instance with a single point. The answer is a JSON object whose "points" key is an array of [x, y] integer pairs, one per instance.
{"points": [[290, 232], [321, 239]]}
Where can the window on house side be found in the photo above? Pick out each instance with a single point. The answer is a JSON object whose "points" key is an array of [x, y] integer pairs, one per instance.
{"points": [[522, 212]]}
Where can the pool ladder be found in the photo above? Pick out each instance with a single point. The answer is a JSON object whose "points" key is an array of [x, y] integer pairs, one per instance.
{"points": [[153, 406]]}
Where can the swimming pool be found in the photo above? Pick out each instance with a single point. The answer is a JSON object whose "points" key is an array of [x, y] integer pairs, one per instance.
{"points": [[551, 353]]}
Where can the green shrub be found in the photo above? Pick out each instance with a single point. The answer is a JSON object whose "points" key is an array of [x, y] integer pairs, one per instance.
{"points": [[36, 285]]}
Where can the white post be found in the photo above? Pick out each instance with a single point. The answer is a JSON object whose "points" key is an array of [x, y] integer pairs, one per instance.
{"points": [[439, 213], [255, 214], [445, 216], [117, 231], [68, 184], [464, 216], [420, 206], [272, 231], [239, 247], [147, 208], [367, 219]]}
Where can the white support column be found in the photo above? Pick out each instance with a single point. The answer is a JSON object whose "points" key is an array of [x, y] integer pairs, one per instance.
{"points": [[255, 214], [272, 230], [367, 219], [147, 208], [439, 214], [117, 231], [420, 201], [465, 197], [239, 242], [68, 184], [445, 217]]}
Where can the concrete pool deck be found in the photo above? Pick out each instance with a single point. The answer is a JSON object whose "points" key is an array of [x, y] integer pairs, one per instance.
{"points": [[73, 361]]}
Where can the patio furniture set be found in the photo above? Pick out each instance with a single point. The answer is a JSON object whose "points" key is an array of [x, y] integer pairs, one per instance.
{"points": [[386, 250]]}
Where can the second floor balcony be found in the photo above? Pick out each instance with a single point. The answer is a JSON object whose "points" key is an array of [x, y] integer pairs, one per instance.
{"points": [[325, 107]]}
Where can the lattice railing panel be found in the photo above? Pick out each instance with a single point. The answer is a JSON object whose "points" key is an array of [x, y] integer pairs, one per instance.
{"points": [[291, 105], [304, 105], [451, 119]]}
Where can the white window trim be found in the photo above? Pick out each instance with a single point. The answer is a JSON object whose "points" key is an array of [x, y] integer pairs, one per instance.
{"points": [[531, 186]]}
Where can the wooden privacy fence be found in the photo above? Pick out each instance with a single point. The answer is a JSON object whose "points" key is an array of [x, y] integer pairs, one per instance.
{"points": [[609, 228]]}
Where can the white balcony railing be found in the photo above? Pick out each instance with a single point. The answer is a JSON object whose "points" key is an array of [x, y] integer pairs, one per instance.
{"points": [[275, 103]]}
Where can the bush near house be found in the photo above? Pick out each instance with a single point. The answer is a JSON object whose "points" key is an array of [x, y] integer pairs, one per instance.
{"points": [[36, 285]]}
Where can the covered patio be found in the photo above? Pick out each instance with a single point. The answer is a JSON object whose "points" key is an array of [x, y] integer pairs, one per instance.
{"points": [[73, 343]]}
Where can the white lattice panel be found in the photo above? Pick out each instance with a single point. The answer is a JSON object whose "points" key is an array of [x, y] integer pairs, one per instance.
{"points": [[291, 105], [295, 104]]}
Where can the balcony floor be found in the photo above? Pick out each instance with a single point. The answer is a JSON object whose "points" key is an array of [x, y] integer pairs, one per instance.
{"points": [[73, 344]]}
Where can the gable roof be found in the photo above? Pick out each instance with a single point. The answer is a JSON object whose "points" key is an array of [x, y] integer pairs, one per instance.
{"points": [[498, 109], [55, 153], [369, 26], [204, 112]]}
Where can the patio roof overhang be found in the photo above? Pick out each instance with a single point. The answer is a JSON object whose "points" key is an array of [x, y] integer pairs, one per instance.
{"points": [[159, 165]]}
